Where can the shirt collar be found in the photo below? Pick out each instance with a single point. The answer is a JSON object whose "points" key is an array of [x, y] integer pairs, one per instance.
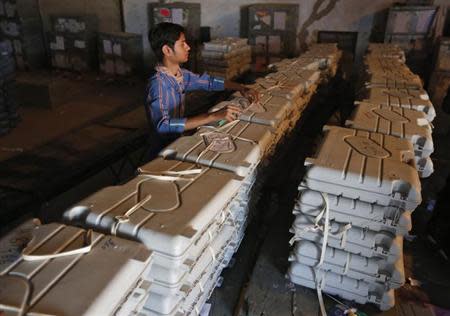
{"points": [[163, 69]]}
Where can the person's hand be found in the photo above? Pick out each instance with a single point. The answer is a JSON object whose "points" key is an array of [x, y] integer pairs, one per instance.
{"points": [[251, 94], [229, 113]]}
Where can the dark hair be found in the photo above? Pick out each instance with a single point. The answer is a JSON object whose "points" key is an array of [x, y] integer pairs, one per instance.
{"points": [[164, 34]]}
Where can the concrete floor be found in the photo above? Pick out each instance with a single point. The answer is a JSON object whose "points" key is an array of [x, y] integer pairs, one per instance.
{"points": [[52, 150], [40, 125]]}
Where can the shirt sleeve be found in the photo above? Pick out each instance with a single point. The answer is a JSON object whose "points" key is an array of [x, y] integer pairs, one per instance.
{"points": [[158, 103], [202, 82]]}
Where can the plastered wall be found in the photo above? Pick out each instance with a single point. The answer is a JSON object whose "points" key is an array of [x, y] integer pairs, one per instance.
{"points": [[223, 16], [107, 11]]}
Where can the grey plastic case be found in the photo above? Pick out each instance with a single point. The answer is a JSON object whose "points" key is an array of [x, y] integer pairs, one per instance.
{"points": [[375, 78], [99, 279], [371, 167], [271, 111], [245, 144], [354, 266], [394, 121], [356, 240], [405, 98], [360, 214], [343, 286]]}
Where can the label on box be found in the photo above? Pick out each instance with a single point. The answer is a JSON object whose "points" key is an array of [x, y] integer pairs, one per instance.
{"points": [[117, 49], [162, 15], [60, 43], [74, 26], [60, 25], [425, 20], [79, 44], [177, 16], [107, 46], [279, 20]]}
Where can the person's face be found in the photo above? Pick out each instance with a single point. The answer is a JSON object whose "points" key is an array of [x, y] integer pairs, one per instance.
{"points": [[180, 52]]}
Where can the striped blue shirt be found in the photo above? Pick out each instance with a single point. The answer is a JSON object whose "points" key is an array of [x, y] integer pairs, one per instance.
{"points": [[165, 97]]}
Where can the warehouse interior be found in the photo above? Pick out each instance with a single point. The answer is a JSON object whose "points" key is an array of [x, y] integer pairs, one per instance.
{"points": [[304, 171]]}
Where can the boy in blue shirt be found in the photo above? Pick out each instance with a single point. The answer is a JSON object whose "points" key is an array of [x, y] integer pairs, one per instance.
{"points": [[165, 100]]}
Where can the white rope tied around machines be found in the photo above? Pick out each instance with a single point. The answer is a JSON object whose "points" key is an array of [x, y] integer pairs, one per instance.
{"points": [[29, 300], [319, 274], [87, 246], [172, 177], [213, 255], [316, 226], [320, 283]]}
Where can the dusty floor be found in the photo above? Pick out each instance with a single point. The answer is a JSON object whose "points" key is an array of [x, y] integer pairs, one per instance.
{"points": [[52, 150]]}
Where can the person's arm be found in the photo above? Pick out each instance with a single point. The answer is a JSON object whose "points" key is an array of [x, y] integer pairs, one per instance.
{"points": [[158, 106], [229, 113], [246, 92], [204, 82], [210, 83]]}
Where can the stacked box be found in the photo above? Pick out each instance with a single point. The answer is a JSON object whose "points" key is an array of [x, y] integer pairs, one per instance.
{"points": [[120, 53], [159, 242], [407, 98], [9, 116], [399, 122], [49, 263], [327, 54], [21, 26], [386, 51], [393, 101], [384, 67], [226, 57], [191, 234], [191, 208], [352, 211], [356, 198], [73, 42], [271, 30]]}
